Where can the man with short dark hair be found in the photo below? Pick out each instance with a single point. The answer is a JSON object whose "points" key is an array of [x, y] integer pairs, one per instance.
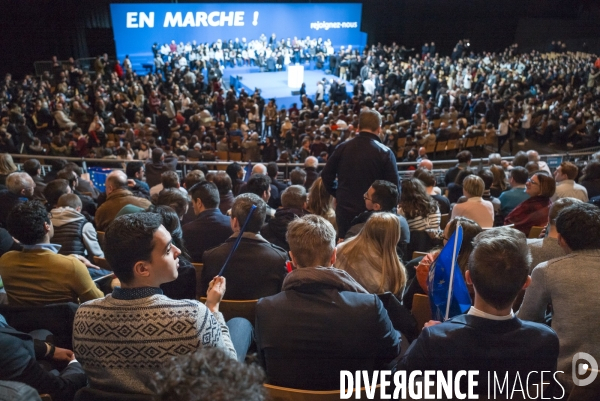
{"points": [[489, 338], [570, 284], [566, 186], [89, 206], [382, 196], [260, 184], [356, 164], [151, 327], [135, 171], [257, 268], [464, 161], [224, 185], [168, 179], [54, 190], [117, 196], [211, 227], [511, 198], [293, 205], [157, 166], [38, 275], [323, 321], [34, 169]]}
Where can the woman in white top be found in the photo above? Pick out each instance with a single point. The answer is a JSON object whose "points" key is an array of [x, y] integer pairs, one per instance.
{"points": [[420, 210], [475, 208]]}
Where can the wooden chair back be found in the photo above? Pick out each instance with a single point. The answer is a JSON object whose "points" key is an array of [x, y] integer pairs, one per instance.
{"points": [[100, 235], [277, 393], [535, 231], [444, 220], [440, 146], [198, 267], [102, 263], [237, 308], [421, 310]]}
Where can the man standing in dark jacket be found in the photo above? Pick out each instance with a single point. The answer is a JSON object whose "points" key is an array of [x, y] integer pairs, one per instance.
{"points": [[357, 164]]}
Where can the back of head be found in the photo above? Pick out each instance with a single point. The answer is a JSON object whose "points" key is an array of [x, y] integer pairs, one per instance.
{"points": [[311, 161], [116, 180], [385, 195], [470, 230], [495, 159], [547, 184], [68, 175], [272, 170], [16, 182], [533, 156], [169, 179], [241, 209], [194, 177], [31, 167], [298, 176], [591, 171], [425, 176], [312, 241], [26, 222], [464, 157], [133, 168], [369, 120], [499, 265], [54, 190], [69, 200], [579, 226], [7, 165], [414, 199], [223, 182], [487, 176], [569, 169], [173, 198], [128, 240], [520, 175], [232, 171], [557, 206], [294, 196], [474, 186], [520, 159], [157, 155], [207, 192], [258, 184], [259, 168], [209, 374]]}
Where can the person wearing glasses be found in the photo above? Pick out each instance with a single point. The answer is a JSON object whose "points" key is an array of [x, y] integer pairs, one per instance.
{"points": [[533, 211]]}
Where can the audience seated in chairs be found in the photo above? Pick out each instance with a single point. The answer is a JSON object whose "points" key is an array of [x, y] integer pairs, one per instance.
{"points": [[38, 275], [371, 257], [143, 256], [489, 338], [257, 268], [570, 285], [19, 359], [323, 321]]}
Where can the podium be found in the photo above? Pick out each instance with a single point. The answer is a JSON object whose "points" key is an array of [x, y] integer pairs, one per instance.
{"points": [[295, 76]]}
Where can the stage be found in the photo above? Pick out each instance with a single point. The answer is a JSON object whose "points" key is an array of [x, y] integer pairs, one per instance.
{"points": [[274, 85]]}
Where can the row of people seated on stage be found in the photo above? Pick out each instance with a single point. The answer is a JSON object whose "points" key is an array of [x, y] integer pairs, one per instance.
{"points": [[238, 53], [144, 255]]}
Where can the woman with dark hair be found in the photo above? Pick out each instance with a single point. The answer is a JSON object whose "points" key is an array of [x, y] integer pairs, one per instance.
{"points": [[591, 179], [500, 183], [419, 209], [533, 211], [236, 173], [184, 286]]}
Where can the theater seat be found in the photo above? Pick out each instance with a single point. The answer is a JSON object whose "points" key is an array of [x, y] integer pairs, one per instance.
{"points": [[89, 394], [421, 310], [276, 393], [233, 308]]}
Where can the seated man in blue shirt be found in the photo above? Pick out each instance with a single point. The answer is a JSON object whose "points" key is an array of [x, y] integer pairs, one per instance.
{"points": [[516, 194], [489, 338]]}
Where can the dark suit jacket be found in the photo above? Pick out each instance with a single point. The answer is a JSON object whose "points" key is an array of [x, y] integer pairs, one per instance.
{"points": [[306, 335], [211, 228], [311, 176], [154, 170], [468, 342], [256, 269], [18, 361], [8, 201]]}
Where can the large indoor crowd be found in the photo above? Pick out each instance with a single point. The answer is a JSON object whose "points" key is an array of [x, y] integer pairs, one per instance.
{"points": [[127, 282]]}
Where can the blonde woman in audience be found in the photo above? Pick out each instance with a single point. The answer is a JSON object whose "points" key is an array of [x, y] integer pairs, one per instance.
{"points": [[420, 210], [321, 203], [371, 257], [7, 166], [475, 208]]}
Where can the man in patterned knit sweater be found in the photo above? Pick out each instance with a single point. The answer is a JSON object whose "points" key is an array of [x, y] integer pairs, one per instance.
{"points": [[122, 339]]}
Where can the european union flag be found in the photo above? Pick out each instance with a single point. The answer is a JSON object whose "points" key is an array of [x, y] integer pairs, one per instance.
{"points": [[446, 287]]}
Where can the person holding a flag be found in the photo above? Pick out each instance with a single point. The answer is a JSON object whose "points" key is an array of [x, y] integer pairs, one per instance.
{"points": [[488, 337]]}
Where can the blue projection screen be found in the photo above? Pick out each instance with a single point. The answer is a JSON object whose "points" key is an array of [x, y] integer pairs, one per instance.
{"points": [[137, 27]]}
